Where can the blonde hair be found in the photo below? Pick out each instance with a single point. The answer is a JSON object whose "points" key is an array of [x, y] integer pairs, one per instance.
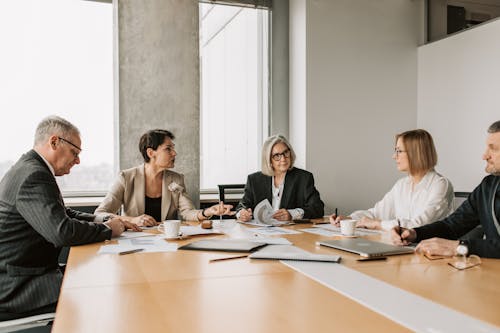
{"points": [[420, 149], [267, 147]]}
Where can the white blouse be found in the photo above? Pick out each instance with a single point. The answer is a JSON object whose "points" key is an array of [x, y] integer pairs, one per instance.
{"points": [[430, 200]]}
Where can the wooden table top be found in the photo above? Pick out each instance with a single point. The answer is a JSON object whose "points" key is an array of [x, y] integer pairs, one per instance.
{"points": [[182, 292]]}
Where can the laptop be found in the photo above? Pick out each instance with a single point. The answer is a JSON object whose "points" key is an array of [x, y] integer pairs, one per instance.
{"points": [[366, 248]]}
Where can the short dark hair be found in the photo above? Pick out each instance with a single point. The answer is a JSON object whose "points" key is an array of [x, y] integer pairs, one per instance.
{"points": [[152, 139], [495, 127]]}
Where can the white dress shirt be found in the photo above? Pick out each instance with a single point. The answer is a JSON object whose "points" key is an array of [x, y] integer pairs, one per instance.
{"points": [[430, 200]]}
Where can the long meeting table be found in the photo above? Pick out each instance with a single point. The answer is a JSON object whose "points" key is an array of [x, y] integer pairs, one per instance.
{"points": [[183, 292]]}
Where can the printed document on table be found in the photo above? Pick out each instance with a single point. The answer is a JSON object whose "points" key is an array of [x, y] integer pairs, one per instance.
{"points": [[266, 231], [320, 231], [133, 234], [148, 244], [358, 231]]}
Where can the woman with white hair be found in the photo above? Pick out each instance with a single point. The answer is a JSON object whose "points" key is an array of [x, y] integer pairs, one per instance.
{"points": [[290, 190]]}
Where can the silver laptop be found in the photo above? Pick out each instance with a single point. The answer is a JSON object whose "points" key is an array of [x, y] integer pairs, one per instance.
{"points": [[366, 248]]}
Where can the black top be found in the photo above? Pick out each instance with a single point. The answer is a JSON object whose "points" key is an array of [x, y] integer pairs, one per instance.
{"points": [[477, 209], [153, 207], [298, 192]]}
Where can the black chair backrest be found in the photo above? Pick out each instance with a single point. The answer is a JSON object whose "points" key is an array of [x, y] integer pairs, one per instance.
{"points": [[223, 187]]}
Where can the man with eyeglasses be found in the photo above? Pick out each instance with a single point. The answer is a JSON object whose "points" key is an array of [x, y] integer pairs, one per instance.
{"points": [[35, 224], [482, 207]]}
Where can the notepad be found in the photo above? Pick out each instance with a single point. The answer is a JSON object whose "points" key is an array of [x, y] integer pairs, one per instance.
{"points": [[229, 245], [290, 252]]}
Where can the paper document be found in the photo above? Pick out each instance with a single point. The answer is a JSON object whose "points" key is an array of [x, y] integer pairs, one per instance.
{"points": [[189, 230], [269, 240], [148, 244], [266, 231], [357, 232], [320, 231], [263, 214], [133, 234]]}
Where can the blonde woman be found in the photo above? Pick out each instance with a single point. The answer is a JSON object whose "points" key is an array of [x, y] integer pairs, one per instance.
{"points": [[290, 190], [422, 197]]}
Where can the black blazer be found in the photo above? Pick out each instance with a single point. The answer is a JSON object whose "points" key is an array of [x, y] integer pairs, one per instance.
{"points": [[34, 225], [298, 192]]}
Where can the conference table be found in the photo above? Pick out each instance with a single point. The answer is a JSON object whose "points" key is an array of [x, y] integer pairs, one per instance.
{"points": [[182, 291]]}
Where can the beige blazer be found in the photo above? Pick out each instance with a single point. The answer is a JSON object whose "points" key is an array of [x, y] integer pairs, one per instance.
{"points": [[129, 190]]}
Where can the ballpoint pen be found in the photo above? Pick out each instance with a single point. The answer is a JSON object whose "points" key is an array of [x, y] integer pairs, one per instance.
{"points": [[228, 258], [130, 251], [399, 230]]}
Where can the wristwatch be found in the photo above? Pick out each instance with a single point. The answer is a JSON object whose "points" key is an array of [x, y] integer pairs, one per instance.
{"points": [[463, 248], [107, 218], [203, 213]]}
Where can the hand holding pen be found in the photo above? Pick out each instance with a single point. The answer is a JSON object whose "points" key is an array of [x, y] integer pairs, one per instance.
{"points": [[402, 236], [335, 218]]}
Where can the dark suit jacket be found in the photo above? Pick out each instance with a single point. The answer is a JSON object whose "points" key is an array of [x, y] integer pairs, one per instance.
{"points": [[34, 225], [298, 192]]}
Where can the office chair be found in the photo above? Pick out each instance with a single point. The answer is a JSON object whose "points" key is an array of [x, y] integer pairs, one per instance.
{"points": [[223, 187], [477, 232], [459, 198], [233, 189], [31, 324]]}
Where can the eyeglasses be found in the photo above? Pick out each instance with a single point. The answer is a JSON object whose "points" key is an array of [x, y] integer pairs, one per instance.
{"points": [[75, 154], [398, 151], [278, 156], [462, 262]]}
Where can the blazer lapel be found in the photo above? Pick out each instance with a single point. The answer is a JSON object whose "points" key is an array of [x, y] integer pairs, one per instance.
{"points": [[287, 190], [268, 188], [166, 195], [140, 191]]}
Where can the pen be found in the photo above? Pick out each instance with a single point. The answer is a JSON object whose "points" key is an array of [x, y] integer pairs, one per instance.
{"points": [[228, 258], [336, 213], [400, 231], [130, 251]]}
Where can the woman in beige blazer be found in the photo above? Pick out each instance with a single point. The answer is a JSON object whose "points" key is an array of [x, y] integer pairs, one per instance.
{"points": [[151, 193]]}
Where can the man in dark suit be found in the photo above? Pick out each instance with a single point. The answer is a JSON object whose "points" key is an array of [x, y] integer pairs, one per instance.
{"points": [[35, 224], [482, 207]]}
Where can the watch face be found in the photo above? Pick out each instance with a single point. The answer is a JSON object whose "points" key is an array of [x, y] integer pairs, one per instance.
{"points": [[462, 250]]}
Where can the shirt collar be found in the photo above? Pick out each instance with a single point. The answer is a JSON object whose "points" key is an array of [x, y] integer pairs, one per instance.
{"points": [[48, 164]]}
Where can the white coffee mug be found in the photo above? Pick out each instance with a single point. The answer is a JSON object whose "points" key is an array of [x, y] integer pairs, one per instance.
{"points": [[347, 227], [170, 228]]}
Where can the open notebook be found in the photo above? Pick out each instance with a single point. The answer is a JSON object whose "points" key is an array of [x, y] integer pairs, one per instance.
{"points": [[290, 252]]}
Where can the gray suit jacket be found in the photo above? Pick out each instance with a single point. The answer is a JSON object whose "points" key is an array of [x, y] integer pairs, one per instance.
{"points": [[34, 225]]}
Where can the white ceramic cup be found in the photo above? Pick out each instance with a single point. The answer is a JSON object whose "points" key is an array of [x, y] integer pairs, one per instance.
{"points": [[347, 227], [170, 228]]}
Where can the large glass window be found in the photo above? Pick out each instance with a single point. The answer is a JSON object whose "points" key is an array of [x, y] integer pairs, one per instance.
{"points": [[234, 92], [57, 59]]}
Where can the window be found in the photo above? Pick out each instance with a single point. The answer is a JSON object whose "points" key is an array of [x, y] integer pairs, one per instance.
{"points": [[234, 92], [57, 59]]}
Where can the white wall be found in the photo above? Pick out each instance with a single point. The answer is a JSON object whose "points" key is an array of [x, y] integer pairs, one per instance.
{"points": [[359, 89], [297, 79], [458, 98]]}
